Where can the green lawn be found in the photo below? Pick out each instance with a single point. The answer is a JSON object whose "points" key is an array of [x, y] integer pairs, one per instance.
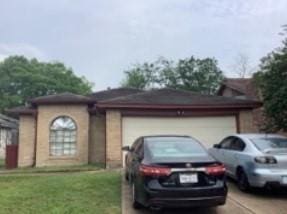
{"points": [[2, 163], [53, 169], [78, 193]]}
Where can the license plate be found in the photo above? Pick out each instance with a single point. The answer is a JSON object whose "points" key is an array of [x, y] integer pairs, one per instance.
{"points": [[284, 179], [188, 178]]}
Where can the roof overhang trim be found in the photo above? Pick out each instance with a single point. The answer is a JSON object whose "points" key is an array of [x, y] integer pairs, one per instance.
{"points": [[253, 105]]}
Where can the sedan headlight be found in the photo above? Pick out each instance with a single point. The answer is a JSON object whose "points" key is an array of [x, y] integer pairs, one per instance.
{"points": [[265, 160]]}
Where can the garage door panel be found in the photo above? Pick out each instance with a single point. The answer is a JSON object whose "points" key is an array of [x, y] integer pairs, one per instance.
{"points": [[208, 130]]}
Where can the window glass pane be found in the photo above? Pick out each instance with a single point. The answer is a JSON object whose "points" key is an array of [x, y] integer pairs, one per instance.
{"points": [[67, 139], [63, 137], [270, 144], [226, 144], [173, 147], [63, 123]]}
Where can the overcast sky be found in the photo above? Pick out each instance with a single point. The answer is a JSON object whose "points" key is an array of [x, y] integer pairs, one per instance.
{"points": [[100, 39]]}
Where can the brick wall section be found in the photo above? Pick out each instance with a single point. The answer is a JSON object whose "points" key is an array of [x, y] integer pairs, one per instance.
{"points": [[26, 148], [97, 145], [258, 119], [113, 139], [246, 122], [46, 115]]}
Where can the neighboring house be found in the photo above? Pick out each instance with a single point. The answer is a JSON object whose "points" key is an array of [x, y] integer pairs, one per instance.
{"points": [[8, 130], [72, 129], [243, 88]]}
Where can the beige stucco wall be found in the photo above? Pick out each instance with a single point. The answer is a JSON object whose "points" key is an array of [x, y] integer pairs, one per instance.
{"points": [[97, 144], [246, 122], [113, 139], [26, 154], [46, 114]]}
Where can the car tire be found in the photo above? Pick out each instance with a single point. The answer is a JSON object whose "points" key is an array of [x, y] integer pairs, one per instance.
{"points": [[242, 181], [136, 205]]}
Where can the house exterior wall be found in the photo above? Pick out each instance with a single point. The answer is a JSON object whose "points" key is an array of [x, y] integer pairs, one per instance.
{"points": [[97, 144], [246, 123], [5, 138], [99, 137], [258, 118], [46, 115], [227, 92], [113, 139], [26, 150]]}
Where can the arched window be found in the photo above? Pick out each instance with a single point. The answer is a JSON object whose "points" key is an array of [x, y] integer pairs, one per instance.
{"points": [[63, 134]]}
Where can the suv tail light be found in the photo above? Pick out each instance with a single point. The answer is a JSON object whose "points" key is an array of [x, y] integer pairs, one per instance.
{"points": [[154, 171], [218, 169]]}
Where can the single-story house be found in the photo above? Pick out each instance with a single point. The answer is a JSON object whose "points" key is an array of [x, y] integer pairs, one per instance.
{"points": [[8, 133], [72, 129]]}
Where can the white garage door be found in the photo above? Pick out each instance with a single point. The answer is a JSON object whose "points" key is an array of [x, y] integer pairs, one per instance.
{"points": [[208, 130]]}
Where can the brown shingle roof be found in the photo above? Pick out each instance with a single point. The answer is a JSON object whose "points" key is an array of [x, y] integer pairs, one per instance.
{"points": [[8, 122], [246, 86], [114, 93], [176, 98], [64, 98]]}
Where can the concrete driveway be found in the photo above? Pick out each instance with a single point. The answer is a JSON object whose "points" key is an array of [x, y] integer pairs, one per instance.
{"points": [[259, 202]]}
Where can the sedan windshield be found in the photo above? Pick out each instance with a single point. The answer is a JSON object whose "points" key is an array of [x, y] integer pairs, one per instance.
{"points": [[269, 144], [173, 147]]}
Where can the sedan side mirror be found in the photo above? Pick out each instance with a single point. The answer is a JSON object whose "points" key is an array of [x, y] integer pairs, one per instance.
{"points": [[217, 146], [126, 148]]}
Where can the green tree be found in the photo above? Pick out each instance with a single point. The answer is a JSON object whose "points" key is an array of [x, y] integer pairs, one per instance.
{"points": [[200, 75], [272, 81], [22, 79], [140, 76]]}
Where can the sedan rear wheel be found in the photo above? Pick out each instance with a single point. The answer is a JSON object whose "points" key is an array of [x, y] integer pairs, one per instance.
{"points": [[126, 175], [136, 205], [242, 181]]}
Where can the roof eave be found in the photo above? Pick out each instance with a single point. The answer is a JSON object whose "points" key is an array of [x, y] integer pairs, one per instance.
{"points": [[22, 112], [59, 102], [170, 107]]}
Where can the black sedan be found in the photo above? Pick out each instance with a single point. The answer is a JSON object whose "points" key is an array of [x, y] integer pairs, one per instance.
{"points": [[173, 171]]}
